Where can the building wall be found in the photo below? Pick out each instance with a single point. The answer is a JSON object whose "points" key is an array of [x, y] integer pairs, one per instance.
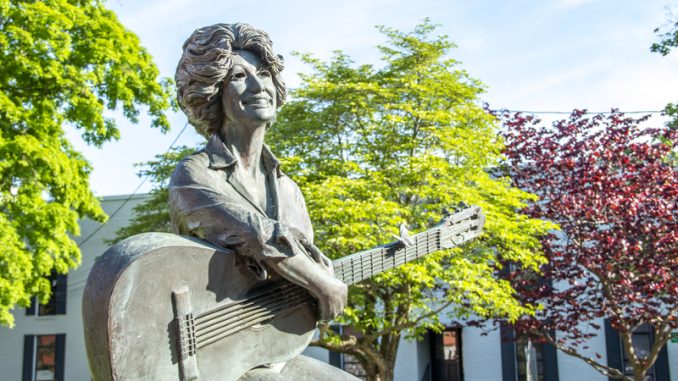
{"points": [[673, 360], [481, 355], [76, 367], [571, 368]]}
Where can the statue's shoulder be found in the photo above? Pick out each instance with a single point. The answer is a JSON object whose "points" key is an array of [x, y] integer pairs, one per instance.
{"points": [[289, 188], [196, 159], [195, 164]]}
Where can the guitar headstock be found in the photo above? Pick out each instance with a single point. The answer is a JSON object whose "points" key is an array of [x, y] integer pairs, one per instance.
{"points": [[462, 225]]}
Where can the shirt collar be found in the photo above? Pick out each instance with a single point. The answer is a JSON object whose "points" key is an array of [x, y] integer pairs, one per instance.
{"points": [[221, 157]]}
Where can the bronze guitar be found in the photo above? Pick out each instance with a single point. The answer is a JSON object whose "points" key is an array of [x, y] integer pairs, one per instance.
{"points": [[159, 306]]}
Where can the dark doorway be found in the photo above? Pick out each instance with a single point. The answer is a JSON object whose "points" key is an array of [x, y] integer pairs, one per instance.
{"points": [[446, 356]]}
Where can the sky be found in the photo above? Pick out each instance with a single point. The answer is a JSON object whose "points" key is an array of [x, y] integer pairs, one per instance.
{"points": [[548, 55]]}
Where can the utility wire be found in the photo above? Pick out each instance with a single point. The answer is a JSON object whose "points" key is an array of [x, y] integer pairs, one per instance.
{"points": [[143, 181], [588, 112]]}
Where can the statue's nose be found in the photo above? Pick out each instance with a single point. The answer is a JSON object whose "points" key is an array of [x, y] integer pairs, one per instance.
{"points": [[255, 83]]}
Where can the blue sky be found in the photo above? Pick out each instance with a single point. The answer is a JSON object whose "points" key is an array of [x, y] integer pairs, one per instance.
{"points": [[549, 55]]}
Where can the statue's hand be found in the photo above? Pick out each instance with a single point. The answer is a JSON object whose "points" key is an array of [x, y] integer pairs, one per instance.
{"points": [[333, 293], [332, 299], [313, 272]]}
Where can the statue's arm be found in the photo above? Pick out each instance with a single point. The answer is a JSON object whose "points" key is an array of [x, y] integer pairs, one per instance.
{"points": [[198, 209]]}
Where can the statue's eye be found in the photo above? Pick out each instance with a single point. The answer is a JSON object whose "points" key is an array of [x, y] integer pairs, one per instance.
{"points": [[238, 75], [265, 74]]}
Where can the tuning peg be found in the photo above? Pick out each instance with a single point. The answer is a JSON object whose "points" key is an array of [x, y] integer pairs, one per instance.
{"points": [[461, 206], [404, 235]]}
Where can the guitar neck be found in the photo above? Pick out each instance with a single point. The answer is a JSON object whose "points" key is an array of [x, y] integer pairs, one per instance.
{"points": [[365, 264]]}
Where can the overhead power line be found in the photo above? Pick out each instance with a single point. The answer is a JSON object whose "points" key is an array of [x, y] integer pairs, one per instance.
{"points": [[588, 112]]}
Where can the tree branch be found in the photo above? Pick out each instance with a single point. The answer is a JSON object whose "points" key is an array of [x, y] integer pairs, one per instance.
{"points": [[603, 369]]}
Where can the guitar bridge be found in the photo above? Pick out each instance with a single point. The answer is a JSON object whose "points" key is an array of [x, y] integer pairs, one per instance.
{"points": [[187, 348]]}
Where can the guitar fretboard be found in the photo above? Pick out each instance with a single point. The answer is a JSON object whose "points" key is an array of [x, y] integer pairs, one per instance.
{"points": [[363, 265]]}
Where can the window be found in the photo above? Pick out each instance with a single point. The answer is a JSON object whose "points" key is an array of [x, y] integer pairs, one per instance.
{"points": [[57, 301], [642, 342], [345, 361], [446, 354], [529, 359], [44, 357], [516, 356]]}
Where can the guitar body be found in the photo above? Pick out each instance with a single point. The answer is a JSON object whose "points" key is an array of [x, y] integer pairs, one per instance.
{"points": [[140, 301]]}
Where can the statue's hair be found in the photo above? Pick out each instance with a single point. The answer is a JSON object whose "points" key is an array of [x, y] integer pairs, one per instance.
{"points": [[206, 61]]}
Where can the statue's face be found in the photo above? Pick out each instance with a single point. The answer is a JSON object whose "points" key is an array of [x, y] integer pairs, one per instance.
{"points": [[248, 93]]}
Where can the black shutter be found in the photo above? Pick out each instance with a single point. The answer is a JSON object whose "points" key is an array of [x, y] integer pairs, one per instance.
{"points": [[29, 351], [60, 292], [613, 348], [30, 311], [550, 361], [661, 366], [508, 353], [60, 356], [336, 357]]}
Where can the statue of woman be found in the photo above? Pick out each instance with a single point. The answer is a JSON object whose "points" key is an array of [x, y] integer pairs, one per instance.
{"points": [[233, 192]]}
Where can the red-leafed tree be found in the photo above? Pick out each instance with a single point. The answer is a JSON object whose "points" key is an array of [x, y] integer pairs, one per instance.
{"points": [[611, 184]]}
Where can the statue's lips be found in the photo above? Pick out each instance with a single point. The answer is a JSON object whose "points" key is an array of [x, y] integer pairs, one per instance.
{"points": [[258, 101]]}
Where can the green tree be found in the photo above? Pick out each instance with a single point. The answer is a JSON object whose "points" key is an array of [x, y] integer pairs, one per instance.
{"points": [[668, 35], [376, 146], [64, 62]]}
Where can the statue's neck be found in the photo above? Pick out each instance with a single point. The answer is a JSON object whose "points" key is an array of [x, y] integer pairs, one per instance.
{"points": [[246, 143]]}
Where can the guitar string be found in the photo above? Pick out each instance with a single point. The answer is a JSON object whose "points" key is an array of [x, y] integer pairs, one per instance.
{"points": [[461, 217], [369, 270], [258, 313], [221, 310], [353, 270], [361, 267], [415, 249], [235, 316], [350, 261], [251, 319], [205, 331]]}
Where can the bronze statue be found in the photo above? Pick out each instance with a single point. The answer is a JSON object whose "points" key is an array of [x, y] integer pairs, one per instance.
{"points": [[233, 193], [237, 293]]}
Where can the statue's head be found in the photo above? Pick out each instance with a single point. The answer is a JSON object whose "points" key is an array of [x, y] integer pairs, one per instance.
{"points": [[205, 64]]}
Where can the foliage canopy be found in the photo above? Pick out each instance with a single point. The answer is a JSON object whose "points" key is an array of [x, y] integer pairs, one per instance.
{"points": [[611, 184], [64, 63]]}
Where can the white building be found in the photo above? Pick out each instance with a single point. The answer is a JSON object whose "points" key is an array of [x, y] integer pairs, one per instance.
{"points": [[47, 342]]}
